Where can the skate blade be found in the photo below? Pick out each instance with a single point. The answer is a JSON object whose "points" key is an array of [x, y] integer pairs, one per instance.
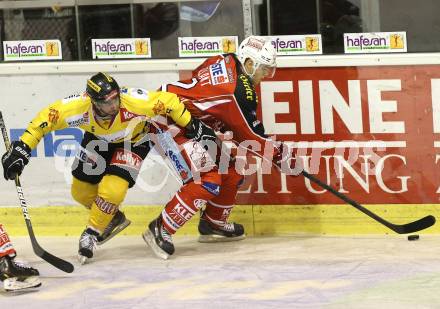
{"points": [[13, 284], [149, 239], [116, 231], [218, 238], [82, 259]]}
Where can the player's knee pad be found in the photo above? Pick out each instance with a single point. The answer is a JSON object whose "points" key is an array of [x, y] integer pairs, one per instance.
{"points": [[83, 192], [111, 192], [113, 189], [212, 183], [230, 184], [232, 178]]}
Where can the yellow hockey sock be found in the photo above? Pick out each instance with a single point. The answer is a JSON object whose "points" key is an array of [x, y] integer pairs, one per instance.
{"points": [[111, 192]]}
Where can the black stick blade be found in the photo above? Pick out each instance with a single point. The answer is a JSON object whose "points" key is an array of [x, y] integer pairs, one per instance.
{"points": [[415, 226], [57, 262]]}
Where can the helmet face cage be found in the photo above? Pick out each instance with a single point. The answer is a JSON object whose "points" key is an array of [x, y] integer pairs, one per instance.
{"points": [[261, 52], [102, 89]]}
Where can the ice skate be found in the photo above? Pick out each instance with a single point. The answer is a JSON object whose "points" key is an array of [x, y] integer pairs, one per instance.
{"points": [[117, 225], [17, 276], [87, 245], [214, 233], [158, 238]]}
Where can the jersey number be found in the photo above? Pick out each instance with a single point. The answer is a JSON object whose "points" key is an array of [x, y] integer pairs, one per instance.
{"points": [[190, 85]]}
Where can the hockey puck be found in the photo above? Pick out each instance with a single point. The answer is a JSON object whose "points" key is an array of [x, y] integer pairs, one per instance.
{"points": [[413, 237]]}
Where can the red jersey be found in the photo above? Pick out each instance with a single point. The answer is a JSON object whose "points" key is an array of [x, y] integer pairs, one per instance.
{"points": [[223, 96]]}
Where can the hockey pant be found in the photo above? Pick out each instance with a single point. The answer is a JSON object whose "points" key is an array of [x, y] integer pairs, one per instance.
{"points": [[102, 192]]}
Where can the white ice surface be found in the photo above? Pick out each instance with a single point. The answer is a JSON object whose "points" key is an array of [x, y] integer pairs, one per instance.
{"points": [[276, 272]]}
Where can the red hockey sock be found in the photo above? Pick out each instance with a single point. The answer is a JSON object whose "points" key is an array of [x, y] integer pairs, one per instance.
{"points": [[216, 213], [6, 247], [185, 204], [219, 208]]}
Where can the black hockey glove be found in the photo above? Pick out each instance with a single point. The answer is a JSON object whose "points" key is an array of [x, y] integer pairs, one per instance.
{"points": [[199, 131], [15, 159]]}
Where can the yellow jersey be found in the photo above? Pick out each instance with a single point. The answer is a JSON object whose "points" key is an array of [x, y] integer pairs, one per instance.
{"points": [[137, 106]]}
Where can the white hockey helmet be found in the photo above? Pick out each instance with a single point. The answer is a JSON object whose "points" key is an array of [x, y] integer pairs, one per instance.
{"points": [[260, 51]]}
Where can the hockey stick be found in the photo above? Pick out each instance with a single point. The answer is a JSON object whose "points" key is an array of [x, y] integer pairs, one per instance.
{"points": [[51, 259], [411, 227]]}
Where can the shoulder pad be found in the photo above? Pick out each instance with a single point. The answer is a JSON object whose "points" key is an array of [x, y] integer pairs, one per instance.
{"points": [[137, 93]]}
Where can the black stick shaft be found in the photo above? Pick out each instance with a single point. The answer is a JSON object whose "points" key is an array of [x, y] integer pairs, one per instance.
{"points": [[418, 225], [51, 259]]}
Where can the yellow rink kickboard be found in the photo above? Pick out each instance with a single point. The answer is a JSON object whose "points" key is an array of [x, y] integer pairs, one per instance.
{"points": [[258, 220]]}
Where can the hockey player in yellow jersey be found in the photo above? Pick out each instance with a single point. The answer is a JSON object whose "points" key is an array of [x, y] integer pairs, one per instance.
{"points": [[108, 161]]}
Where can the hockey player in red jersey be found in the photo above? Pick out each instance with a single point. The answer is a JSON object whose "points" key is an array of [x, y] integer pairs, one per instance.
{"points": [[222, 93], [15, 275]]}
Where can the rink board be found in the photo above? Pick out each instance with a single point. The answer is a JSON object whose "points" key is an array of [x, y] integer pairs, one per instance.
{"points": [[259, 220], [372, 132], [327, 101]]}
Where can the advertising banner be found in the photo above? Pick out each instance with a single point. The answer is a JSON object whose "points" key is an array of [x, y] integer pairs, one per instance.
{"points": [[290, 45], [32, 50], [207, 46], [371, 132], [121, 48], [377, 42]]}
